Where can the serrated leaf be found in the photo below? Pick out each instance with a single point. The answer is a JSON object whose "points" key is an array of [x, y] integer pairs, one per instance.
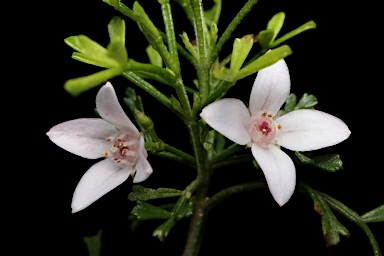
{"points": [[307, 101], [290, 103], [143, 194], [94, 244], [375, 215], [329, 162], [146, 211], [79, 85]]}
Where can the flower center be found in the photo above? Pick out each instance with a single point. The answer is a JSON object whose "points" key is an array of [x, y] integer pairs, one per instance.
{"points": [[124, 149], [263, 128]]}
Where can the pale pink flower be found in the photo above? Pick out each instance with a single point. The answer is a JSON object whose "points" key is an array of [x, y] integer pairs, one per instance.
{"points": [[261, 129], [113, 137]]}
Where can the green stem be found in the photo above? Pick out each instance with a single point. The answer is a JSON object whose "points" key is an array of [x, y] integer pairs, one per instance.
{"points": [[199, 26], [234, 148], [190, 159], [228, 192], [123, 9], [153, 69], [241, 159], [150, 89], [231, 27], [171, 40]]}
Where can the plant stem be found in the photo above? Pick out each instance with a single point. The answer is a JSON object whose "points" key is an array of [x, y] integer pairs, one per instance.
{"points": [[231, 27]]}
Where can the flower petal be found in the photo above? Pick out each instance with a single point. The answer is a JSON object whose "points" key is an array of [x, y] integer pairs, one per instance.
{"points": [[101, 178], [307, 129], [279, 171], [111, 111], [84, 137], [143, 168], [229, 117], [271, 88]]}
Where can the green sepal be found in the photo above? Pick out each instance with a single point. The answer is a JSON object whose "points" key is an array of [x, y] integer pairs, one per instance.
{"points": [[94, 244], [154, 56], [163, 1], [116, 47], [114, 3], [330, 162], [241, 48], [309, 25], [265, 60], [163, 230], [376, 215], [90, 52], [79, 85], [141, 193], [146, 211]]}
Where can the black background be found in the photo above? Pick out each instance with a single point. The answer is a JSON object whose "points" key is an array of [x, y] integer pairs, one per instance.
{"points": [[329, 62]]}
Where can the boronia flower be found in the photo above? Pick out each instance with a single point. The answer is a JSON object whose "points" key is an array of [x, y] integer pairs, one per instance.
{"points": [[113, 137], [261, 129]]}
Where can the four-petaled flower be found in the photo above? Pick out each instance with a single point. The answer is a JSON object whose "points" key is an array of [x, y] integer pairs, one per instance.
{"points": [[113, 137], [263, 131]]}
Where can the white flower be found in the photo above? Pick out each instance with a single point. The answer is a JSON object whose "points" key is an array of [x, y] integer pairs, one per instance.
{"points": [[263, 131], [113, 137]]}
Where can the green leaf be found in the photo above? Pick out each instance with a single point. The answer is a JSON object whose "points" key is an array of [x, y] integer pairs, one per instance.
{"points": [[275, 24], [290, 103], [163, 230], [116, 47], [114, 3], [143, 194], [265, 38], [241, 48], [146, 211], [91, 51], [185, 211], [308, 101], [213, 14], [265, 60], [302, 28], [330, 162], [187, 43], [225, 74], [332, 228], [154, 56], [94, 244], [376, 215], [79, 85]]}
